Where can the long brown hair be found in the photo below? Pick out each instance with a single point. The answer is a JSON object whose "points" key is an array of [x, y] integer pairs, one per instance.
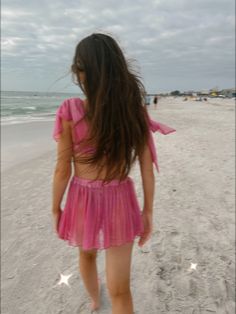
{"points": [[116, 108]]}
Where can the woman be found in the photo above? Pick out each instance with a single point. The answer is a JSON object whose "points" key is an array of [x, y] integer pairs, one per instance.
{"points": [[102, 136]]}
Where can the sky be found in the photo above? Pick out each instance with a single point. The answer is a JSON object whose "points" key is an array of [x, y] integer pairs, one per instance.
{"points": [[174, 45]]}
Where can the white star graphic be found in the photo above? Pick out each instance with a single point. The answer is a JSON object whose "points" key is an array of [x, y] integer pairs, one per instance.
{"points": [[64, 279], [193, 266]]}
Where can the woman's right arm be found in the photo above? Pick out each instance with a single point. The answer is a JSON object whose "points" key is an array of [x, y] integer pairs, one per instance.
{"points": [[148, 179]]}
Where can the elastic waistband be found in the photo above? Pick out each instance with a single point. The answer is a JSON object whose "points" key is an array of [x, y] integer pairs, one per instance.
{"points": [[99, 183]]}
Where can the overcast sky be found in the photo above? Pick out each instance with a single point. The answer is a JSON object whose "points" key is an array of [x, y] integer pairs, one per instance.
{"points": [[177, 44]]}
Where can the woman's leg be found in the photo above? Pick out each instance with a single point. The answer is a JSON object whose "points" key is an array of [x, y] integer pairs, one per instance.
{"points": [[118, 265], [88, 270]]}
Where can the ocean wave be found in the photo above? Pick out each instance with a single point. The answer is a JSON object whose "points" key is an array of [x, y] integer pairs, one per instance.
{"points": [[25, 119], [31, 107]]}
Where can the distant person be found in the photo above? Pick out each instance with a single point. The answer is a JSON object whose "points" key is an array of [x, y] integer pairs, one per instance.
{"points": [[99, 138], [155, 101], [147, 100]]}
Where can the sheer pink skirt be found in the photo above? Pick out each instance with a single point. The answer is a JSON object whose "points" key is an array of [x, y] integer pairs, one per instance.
{"points": [[99, 216]]}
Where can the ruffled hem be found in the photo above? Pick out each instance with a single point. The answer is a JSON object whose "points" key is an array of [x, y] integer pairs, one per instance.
{"points": [[71, 243]]}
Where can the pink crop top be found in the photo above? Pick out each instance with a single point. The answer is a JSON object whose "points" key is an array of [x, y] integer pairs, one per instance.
{"points": [[73, 109]]}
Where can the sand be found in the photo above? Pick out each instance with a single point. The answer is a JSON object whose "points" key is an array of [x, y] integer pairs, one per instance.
{"points": [[194, 222], [24, 141]]}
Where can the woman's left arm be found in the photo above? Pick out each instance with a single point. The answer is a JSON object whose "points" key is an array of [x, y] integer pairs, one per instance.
{"points": [[63, 168]]}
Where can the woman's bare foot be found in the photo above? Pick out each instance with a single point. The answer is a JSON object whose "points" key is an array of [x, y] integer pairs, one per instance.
{"points": [[95, 304]]}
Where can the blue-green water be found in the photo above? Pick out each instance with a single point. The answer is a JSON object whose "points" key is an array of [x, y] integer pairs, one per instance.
{"points": [[23, 107]]}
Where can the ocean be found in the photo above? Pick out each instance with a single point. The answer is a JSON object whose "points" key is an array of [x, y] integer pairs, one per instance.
{"points": [[23, 107], [27, 120]]}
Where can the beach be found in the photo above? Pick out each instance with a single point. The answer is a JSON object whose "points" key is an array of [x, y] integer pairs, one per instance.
{"points": [[33, 138], [188, 266]]}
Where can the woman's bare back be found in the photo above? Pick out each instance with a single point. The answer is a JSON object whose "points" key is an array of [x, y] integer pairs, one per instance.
{"points": [[87, 171]]}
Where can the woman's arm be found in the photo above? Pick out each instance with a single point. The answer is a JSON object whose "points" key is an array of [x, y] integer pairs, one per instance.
{"points": [[62, 172], [148, 179]]}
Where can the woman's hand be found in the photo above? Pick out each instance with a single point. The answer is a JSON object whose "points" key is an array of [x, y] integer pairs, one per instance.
{"points": [[148, 225], [56, 215]]}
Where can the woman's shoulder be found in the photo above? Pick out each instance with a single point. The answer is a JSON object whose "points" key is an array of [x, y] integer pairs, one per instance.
{"points": [[71, 108], [70, 102]]}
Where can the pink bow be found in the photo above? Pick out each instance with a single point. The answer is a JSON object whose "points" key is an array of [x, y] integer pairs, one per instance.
{"points": [[161, 128]]}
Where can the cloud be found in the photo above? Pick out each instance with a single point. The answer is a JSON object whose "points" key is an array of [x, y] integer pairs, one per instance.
{"points": [[177, 44]]}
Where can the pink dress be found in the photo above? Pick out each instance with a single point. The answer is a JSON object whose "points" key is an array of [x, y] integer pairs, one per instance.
{"points": [[97, 216]]}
